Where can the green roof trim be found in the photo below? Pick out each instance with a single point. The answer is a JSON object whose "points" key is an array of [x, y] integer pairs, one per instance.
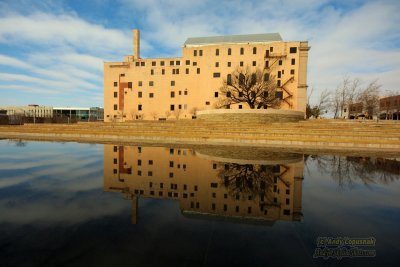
{"points": [[232, 39]]}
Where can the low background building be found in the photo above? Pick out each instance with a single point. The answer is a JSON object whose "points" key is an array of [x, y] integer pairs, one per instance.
{"points": [[79, 114], [389, 108]]}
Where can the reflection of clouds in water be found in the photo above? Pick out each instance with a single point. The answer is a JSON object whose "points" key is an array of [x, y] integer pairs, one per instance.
{"points": [[71, 208], [60, 183], [334, 207]]}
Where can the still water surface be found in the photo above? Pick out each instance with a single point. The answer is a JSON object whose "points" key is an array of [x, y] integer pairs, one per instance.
{"points": [[105, 205]]}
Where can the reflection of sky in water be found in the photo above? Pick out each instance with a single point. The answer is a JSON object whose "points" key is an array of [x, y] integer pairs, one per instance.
{"points": [[53, 211]]}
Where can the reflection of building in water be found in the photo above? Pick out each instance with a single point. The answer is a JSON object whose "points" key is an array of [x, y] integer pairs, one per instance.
{"points": [[260, 192]]}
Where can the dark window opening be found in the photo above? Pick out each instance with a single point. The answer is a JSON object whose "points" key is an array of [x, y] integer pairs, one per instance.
{"points": [[216, 74], [241, 50], [172, 107], [229, 51], [115, 84], [215, 94], [217, 52], [130, 85], [139, 107], [293, 50], [254, 50]]}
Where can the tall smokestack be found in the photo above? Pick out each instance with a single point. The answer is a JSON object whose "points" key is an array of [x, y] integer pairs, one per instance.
{"points": [[136, 43]]}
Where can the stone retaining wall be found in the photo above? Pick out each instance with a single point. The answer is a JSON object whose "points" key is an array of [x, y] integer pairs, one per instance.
{"points": [[251, 115]]}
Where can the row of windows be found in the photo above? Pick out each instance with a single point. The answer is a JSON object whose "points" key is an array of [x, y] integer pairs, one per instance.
{"points": [[292, 50], [151, 95], [215, 75]]}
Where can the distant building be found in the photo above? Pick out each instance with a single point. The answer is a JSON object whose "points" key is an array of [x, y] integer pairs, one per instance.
{"points": [[80, 114], [32, 110], [159, 88], [389, 108]]}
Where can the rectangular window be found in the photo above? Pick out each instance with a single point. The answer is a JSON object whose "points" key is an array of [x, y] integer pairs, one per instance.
{"points": [[200, 52], [279, 74], [194, 63], [162, 63], [179, 106], [140, 83], [115, 84], [151, 83], [171, 164], [292, 72], [217, 52], [153, 63], [139, 94], [293, 61], [142, 64], [228, 94], [241, 50], [293, 50], [115, 107], [185, 93], [216, 64], [195, 53], [278, 83], [267, 64], [115, 94], [172, 94], [279, 95], [137, 64], [240, 106], [229, 64], [171, 63], [198, 70], [280, 62], [187, 71], [151, 95], [254, 63], [208, 103], [152, 72], [172, 83], [216, 75], [271, 49], [187, 62], [172, 107], [241, 63], [215, 94], [229, 51], [163, 71], [139, 107], [130, 85]]}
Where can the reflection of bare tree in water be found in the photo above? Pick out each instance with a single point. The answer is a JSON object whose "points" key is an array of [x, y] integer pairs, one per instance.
{"points": [[346, 171], [251, 180], [19, 143]]}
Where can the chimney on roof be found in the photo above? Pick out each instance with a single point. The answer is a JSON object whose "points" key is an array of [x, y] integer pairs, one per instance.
{"points": [[136, 43]]}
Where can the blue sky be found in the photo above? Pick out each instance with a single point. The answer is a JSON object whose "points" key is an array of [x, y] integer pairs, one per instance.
{"points": [[52, 52]]}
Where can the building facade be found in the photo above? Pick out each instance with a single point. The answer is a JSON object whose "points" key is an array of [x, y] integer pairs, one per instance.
{"points": [[389, 108], [164, 88], [263, 190], [29, 111], [79, 114]]}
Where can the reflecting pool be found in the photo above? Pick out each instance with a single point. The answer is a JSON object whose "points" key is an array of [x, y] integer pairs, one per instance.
{"points": [[111, 205]]}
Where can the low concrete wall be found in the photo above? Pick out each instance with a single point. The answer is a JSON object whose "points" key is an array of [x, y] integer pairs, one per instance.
{"points": [[251, 115]]}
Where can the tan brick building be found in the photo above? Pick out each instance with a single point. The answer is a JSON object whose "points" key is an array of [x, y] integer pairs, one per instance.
{"points": [[263, 190], [165, 88]]}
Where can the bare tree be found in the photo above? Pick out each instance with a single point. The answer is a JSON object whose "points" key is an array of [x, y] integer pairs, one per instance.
{"points": [[256, 88], [167, 114], [344, 95], [370, 98], [177, 113], [133, 113], [154, 115]]}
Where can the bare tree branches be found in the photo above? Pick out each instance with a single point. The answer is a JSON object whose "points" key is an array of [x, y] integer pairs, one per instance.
{"points": [[256, 88]]}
